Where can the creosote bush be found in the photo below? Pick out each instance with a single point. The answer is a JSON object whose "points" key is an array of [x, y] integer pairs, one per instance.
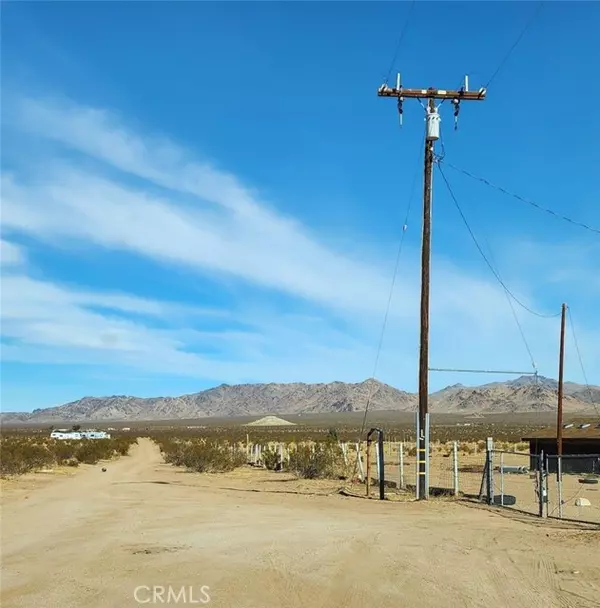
{"points": [[200, 456], [271, 459], [325, 461], [21, 453]]}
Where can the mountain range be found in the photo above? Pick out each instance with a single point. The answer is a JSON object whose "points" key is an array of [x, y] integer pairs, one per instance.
{"points": [[525, 394]]}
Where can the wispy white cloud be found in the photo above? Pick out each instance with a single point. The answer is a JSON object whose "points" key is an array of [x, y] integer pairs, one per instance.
{"points": [[166, 206], [11, 254]]}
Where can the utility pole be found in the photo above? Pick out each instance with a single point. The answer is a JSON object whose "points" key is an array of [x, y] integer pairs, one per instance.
{"points": [[432, 134], [561, 369]]}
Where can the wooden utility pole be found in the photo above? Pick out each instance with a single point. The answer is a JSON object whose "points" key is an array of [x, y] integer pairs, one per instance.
{"points": [[431, 136], [561, 369]]}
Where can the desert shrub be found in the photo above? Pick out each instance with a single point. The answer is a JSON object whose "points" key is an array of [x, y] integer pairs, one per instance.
{"points": [[467, 448], [322, 462], [90, 452], [18, 457], [20, 453], [333, 435], [63, 450], [202, 457], [271, 459]]}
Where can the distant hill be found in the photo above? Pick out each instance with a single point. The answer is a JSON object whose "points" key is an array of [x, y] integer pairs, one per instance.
{"points": [[520, 395]]}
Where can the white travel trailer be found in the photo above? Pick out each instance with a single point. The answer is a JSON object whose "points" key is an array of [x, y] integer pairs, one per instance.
{"points": [[95, 434], [64, 434]]}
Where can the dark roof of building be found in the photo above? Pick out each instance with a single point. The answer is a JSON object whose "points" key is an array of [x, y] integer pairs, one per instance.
{"points": [[582, 429]]}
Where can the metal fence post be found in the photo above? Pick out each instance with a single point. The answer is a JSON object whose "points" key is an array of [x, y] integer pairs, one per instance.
{"points": [[540, 476], [559, 485], [427, 456], [401, 463], [545, 485], [490, 470], [418, 429], [455, 467], [502, 478]]}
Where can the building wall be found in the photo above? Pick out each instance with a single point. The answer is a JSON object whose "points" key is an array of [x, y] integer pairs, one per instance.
{"points": [[579, 455]]}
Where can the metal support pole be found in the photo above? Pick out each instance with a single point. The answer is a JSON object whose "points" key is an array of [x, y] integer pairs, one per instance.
{"points": [[368, 467], [378, 456], [455, 467], [401, 464], [380, 466], [545, 486], [426, 456], [418, 462], [490, 471], [540, 476], [559, 486], [561, 367], [502, 478]]}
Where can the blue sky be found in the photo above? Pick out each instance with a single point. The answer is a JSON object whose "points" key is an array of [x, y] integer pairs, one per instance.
{"points": [[198, 193]]}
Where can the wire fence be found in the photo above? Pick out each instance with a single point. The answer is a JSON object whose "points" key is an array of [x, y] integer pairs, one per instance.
{"points": [[574, 487], [515, 481], [566, 487]]}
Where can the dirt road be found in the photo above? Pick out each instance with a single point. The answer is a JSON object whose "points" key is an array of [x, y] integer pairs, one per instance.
{"points": [[114, 539]]}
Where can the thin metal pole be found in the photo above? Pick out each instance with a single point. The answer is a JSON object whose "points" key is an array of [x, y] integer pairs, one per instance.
{"points": [[401, 463], [545, 486], [368, 467], [559, 486], [381, 465], [427, 456], [378, 455], [561, 366], [490, 470], [540, 484], [422, 455], [502, 478], [455, 467], [418, 461]]}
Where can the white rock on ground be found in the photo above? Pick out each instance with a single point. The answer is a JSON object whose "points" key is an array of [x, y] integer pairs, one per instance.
{"points": [[583, 502]]}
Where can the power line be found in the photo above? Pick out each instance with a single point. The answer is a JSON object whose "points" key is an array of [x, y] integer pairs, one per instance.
{"points": [[400, 39], [389, 303], [513, 311], [489, 265], [522, 199], [515, 44], [587, 384]]}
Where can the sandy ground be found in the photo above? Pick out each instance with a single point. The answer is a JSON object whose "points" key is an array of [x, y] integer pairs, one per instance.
{"points": [[259, 539]]}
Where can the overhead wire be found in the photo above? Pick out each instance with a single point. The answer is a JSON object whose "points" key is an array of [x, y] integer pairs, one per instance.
{"points": [[585, 379], [514, 312], [515, 44], [400, 39], [485, 259], [522, 199], [387, 309]]}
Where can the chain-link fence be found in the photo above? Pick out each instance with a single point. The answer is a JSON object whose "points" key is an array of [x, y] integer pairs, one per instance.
{"points": [[545, 486], [574, 487], [515, 480]]}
